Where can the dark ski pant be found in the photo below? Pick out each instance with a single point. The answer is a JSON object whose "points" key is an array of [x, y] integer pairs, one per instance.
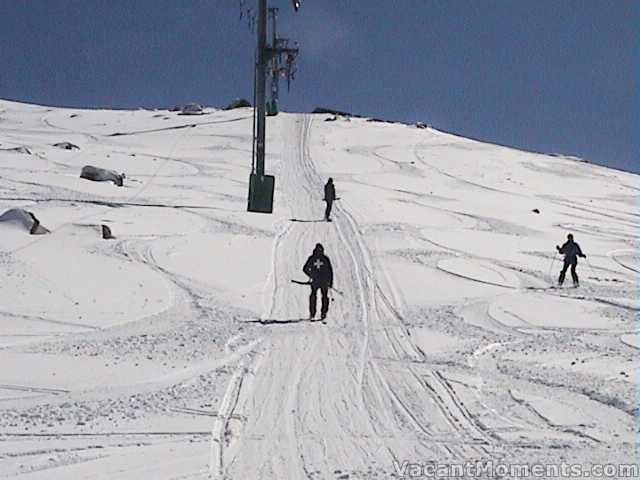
{"points": [[574, 275], [313, 299], [327, 211]]}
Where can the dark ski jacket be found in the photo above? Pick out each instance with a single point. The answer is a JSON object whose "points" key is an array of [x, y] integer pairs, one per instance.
{"points": [[329, 192], [318, 268], [571, 251]]}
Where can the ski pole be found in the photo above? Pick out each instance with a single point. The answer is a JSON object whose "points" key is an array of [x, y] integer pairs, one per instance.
{"points": [[337, 291], [552, 262]]}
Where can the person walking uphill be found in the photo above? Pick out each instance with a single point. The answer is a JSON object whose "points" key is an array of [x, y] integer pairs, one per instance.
{"points": [[329, 197], [318, 268], [571, 251]]}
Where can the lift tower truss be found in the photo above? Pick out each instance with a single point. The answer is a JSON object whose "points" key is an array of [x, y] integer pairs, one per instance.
{"points": [[282, 62]]}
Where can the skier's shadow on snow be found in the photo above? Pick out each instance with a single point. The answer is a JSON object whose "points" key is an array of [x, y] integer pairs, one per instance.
{"points": [[280, 322], [306, 221]]}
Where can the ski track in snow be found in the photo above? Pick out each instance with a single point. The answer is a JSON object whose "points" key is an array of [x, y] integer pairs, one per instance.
{"points": [[204, 386]]}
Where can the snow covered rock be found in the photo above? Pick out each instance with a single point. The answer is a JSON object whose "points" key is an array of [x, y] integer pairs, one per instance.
{"points": [[66, 146], [238, 103], [192, 109], [97, 174], [22, 219], [23, 150], [333, 111]]}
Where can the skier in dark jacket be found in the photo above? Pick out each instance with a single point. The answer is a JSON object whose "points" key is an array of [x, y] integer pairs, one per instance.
{"points": [[329, 197], [571, 251], [318, 268]]}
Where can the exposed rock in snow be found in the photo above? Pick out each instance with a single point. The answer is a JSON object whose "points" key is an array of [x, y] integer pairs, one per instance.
{"points": [[238, 103], [192, 109], [23, 219], [66, 146], [106, 232], [97, 174], [23, 150], [333, 112]]}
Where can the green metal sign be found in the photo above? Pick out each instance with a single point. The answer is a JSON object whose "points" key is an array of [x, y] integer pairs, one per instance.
{"points": [[261, 193]]}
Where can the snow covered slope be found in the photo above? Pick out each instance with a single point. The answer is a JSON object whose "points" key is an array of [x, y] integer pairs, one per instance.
{"points": [[180, 348]]}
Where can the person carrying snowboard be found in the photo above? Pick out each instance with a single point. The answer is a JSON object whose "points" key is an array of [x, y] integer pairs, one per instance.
{"points": [[318, 269], [329, 197], [571, 251]]}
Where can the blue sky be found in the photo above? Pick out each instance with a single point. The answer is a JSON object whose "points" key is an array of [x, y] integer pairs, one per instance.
{"points": [[551, 76]]}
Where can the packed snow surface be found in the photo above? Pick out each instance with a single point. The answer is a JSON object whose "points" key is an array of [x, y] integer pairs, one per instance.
{"points": [[181, 350]]}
